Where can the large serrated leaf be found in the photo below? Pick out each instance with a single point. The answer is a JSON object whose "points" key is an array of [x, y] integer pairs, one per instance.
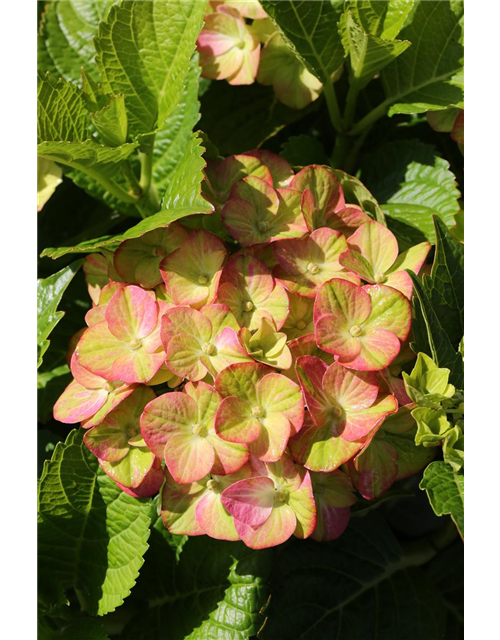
{"points": [[87, 155], [143, 50], [413, 183], [92, 535], [212, 590], [445, 286], [78, 629], [303, 150], [429, 76], [160, 219], [49, 293], [368, 54], [447, 573], [62, 114], [63, 131], [445, 490], [382, 19], [172, 145], [431, 338], [354, 588], [311, 31], [174, 137], [238, 119], [183, 187], [65, 40]]}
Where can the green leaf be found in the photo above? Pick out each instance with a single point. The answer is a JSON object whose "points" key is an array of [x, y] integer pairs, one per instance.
{"points": [[172, 145], [432, 426], [354, 587], [367, 53], [183, 187], [63, 134], [65, 40], [143, 50], [430, 337], [214, 589], [111, 122], [427, 384], [447, 573], [49, 293], [62, 114], [160, 219], [411, 458], [453, 448], [445, 286], [311, 31], [92, 535], [78, 629], [173, 140], [87, 246], [445, 490], [414, 183], [237, 119], [88, 156], [429, 76], [303, 150], [382, 19]]}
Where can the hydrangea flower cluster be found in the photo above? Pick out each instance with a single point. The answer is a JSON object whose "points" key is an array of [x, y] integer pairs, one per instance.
{"points": [[239, 44], [253, 382]]}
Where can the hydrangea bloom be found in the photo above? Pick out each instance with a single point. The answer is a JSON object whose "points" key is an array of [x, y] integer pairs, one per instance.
{"points": [[180, 428], [260, 407], [284, 346], [293, 84], [126, 345], [372, 254], [229, 49]]}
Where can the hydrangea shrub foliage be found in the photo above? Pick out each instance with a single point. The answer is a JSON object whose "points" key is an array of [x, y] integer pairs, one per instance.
{"points": [[266, 344]]}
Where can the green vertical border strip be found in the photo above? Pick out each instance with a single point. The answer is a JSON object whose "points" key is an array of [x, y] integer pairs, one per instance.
{"points": [[482, 176]]}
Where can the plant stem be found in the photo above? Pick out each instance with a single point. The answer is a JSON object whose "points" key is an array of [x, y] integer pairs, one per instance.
{"points": [[128, 172], [339, 151], [110, 186], [333, 105], [82, 600], [370, 118], [145, 181], [350, 105], [146, 160], [353, 153]]}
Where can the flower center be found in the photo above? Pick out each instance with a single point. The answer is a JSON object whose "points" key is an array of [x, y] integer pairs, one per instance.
{"points": [[202, 280], [280, 495], [355, 331], [209, 348], [263, 225], [379, 277], [109, 387], [131, 431], [258, 412], [335, 412], [312, 268], [212, 484], [301, 325], [199, 430], [248, 306], [135, 344]]}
